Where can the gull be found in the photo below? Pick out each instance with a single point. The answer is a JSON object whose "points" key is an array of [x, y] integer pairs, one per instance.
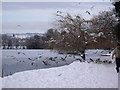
{"points": [[92, 7], [59, 12], [88, 12]]}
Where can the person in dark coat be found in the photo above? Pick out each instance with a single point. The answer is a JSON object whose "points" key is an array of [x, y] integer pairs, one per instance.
{"points": [[116, 52]]}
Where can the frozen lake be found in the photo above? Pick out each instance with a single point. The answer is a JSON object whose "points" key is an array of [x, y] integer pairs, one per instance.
{"points": [[22, 60]]}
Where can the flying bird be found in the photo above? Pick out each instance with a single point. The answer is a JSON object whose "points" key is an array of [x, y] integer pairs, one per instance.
{"points": [[92, 7], [59, 12], [83, 19], [18, 25], [88, 12]]}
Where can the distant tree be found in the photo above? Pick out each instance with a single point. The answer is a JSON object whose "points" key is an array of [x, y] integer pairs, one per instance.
{"points": [[50, 37], [6, 41], [16, 42], [35, 42], [49, 33], [9, 43]]}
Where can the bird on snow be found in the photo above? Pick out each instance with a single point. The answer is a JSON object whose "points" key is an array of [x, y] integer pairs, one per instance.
{"points": [[105, 61], [40, 56], [97, 61], [52, 58], [109, 62], [32, 63], [45, 62], [64, 58], [18, 52], [91, 60], [30, 59], [23, 53]]}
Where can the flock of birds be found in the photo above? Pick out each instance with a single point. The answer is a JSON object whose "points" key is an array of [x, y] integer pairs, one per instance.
{"points": [[59, 12], [97, 61], [55, 59], [47, 60], [88, 12]]}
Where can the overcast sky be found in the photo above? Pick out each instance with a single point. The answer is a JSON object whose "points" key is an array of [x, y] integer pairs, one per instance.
{"points": [[37, 17]]}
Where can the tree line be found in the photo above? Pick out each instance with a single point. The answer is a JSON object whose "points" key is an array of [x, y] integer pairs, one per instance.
{"points": [[12, 42]]}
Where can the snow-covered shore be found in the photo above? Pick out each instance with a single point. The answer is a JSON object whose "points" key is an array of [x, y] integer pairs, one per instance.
{"points": [[27, 69], [75, 75]]}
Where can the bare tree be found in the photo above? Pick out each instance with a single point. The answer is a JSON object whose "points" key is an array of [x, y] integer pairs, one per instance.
{"points": [[73, 35], [104, 25]]}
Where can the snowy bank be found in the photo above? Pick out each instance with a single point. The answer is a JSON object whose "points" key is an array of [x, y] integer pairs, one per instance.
{"points": [[75, 75], [0, 83]]}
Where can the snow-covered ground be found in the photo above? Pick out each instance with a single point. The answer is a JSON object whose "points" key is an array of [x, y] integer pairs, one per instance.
{"points": [[0, 68], [48, 69], [0, 83], [75, 75]]}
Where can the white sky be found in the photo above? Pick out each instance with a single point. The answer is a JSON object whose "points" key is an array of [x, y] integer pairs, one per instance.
{"points": [[24, 17]]}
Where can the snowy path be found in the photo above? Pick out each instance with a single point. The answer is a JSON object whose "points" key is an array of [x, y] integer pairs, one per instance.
{"points": [[75, 75]]}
